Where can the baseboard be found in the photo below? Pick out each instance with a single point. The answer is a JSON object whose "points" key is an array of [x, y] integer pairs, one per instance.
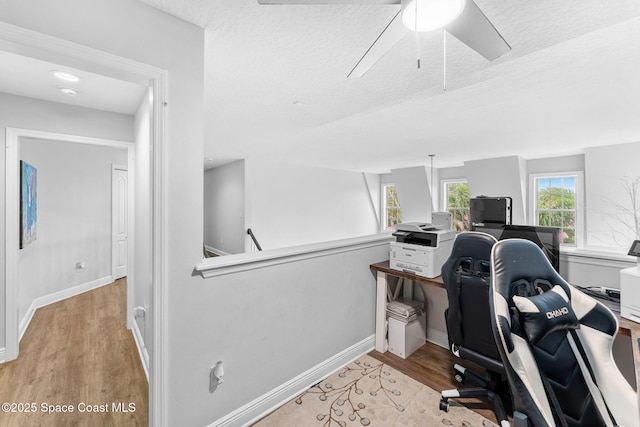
{"points": [[438, 337], [266, 403], [3, 358], [58, 296], [142, 349]]}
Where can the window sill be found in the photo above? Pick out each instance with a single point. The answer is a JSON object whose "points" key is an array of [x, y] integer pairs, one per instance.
{"points": [[596, 257]]}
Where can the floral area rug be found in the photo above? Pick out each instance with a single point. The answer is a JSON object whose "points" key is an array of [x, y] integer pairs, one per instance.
{"points": [[369, 393]]}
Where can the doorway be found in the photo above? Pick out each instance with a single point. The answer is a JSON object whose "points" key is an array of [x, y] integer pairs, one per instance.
{"points": [[30, 43], [21, 315], [119, 221]]}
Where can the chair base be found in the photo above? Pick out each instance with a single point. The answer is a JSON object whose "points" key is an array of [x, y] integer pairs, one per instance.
{"points": [[486, 390]]}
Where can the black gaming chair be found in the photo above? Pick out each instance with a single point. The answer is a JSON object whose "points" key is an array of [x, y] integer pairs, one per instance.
{"points": [[555, 343], [466, 278]]}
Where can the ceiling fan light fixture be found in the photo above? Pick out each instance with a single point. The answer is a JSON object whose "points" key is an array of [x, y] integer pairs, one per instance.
{"points": [[427, 15]]}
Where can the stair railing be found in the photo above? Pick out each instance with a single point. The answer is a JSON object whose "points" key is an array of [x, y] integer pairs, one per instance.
{"points": [[253, 237]]}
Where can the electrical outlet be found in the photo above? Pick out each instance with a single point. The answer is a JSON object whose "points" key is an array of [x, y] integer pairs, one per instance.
{"points": [[139, 312]]}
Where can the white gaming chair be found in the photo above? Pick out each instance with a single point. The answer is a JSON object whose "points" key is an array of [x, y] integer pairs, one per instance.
{"points": [[555, 343]]}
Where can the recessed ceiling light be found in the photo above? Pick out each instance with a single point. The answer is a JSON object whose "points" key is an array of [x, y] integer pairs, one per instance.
{"points": [[65, 75], [68, 90]]}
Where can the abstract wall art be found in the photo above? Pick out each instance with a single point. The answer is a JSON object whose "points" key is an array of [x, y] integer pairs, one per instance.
{"points": [[28, 203]]}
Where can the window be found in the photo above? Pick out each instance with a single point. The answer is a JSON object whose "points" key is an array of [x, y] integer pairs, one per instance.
{"points": [[391, 208], [556, 204], [456, 202]]}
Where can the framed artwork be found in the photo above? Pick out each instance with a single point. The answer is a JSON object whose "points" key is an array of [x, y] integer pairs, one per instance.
{"points": [[28, 203]]}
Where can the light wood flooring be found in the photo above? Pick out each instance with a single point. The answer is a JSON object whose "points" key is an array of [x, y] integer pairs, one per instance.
{"points": [[77, 352], [432, 366]]}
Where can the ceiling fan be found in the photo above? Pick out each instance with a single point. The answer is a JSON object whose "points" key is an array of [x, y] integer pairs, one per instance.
{"points": [[462, 18]]}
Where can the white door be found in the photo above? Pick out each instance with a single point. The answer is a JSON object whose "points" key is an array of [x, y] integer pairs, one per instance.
{"points": [[119, 222]]}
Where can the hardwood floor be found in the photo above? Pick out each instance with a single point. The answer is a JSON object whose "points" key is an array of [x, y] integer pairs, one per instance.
{"points": [[77, 355], [432, 366]]}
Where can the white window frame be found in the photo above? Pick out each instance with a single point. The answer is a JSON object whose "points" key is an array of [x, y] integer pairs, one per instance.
{"points": [[383, 208], [533, 201], [445, 194]]}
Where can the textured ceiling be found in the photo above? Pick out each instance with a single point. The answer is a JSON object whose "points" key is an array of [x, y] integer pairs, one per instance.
{"points": [[276, 84]]}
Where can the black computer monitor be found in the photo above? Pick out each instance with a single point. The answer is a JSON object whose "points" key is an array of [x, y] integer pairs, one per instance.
{"points": [[490, 210], [547, 238]]}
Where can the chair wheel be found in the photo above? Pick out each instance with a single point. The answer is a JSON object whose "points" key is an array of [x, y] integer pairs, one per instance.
{"points": [[444, 405], [459, 378]]}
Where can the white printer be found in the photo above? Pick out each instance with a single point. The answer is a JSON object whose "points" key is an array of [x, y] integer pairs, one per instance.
{"points": [[421, 248], [630, 293]]}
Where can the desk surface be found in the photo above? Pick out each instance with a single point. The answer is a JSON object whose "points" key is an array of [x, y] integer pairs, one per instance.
{"points": [[384, 267], [626, 326]]}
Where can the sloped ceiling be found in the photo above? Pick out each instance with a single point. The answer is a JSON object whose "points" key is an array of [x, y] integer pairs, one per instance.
{"points": [[276, 84]]}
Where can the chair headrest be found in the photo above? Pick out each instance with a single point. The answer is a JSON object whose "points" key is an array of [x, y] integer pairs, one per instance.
{"points": [[473, 245], [513, 260], [468, 246]]}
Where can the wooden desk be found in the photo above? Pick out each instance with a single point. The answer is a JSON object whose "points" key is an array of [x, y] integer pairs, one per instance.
{"points": [[383, 270], [383, 292], [632, 329]]}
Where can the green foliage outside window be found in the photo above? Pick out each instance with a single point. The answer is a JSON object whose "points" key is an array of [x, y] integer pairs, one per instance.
{"points": [[394, 213], [458, 205], [556, 206]]}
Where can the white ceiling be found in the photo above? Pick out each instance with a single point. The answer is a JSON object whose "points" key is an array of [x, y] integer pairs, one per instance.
{"points": [[30, 77], [570, 81]]}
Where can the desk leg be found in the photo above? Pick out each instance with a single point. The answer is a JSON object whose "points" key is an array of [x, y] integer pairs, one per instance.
{"points": [[635, 345], [381, 312]]}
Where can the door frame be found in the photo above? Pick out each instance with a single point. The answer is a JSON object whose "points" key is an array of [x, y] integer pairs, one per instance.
{"points": [[38, 45], [12, 222]]}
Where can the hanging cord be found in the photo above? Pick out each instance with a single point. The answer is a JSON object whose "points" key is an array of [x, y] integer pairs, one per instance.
{"points": [[432, 156], [415, 28], [444, 60]]}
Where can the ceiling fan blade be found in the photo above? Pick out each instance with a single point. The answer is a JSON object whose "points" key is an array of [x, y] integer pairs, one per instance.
{"points": [[476, 31], [391, 35], [294, 2]]}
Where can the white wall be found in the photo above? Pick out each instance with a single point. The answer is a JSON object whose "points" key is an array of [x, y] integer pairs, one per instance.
{"points": [[224, 208], [610, 218], [74, 218], [500, 177], [272, 323], [130, 29], [592, 269], [288, 205], [28, 113], [414, 193], [556, 164]]}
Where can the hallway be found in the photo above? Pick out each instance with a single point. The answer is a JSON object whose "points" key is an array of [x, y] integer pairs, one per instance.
{"points": [[78, 366]]}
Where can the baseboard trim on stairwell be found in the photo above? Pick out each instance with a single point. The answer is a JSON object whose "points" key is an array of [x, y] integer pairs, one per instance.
{"points": [[59, 296], [142, 349], [268, 402]]}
